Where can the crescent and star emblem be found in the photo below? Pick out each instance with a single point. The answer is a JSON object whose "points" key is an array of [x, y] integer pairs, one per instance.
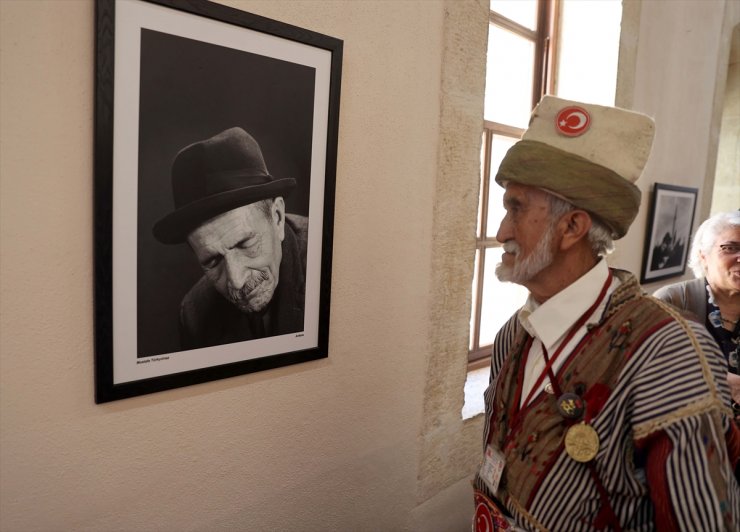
{"points": [[483, 519], [573, 121]]}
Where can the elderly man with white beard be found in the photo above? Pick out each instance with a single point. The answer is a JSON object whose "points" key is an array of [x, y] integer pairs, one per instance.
{"points": [[606, 408]]}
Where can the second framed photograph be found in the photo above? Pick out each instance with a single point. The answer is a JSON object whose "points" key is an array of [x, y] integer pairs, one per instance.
{"points": [[668, 236], [215, 163]]}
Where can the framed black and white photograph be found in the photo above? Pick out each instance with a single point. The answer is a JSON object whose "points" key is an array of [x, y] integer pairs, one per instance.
{"points": [[215, 165], [667, 241]]}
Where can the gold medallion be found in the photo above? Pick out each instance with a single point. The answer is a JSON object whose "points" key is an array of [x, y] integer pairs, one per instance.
{"points": [[581, 442]]}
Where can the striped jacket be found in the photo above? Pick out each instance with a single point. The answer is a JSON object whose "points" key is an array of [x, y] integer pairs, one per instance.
{"points": [[658, 385]]}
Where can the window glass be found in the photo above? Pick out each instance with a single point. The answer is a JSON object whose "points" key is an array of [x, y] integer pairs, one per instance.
{"points": [[478, 228], [586, 70], [496, 212], [475, 300], [509, 77], [523, 12], [589, 50], [500, 300]]}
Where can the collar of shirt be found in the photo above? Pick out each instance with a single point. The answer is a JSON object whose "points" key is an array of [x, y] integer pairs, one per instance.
{"points": [[551, 320]]}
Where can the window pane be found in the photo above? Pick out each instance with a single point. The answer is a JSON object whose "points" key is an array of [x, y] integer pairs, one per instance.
{"points": [[509, 71], [522, 11], [589, 50], [496, 212], [483, 178], [475, 300], [500, 300]]}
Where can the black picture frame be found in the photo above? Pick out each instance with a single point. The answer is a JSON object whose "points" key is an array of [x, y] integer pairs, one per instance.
{"points": [[170, 73], [668, 235]]}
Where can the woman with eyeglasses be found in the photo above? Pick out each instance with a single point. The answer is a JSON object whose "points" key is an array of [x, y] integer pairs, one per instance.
{"points": [[714, 296]]}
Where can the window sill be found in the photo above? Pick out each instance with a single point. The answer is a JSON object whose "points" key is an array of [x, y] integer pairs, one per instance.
{"points": [[475, 384]]}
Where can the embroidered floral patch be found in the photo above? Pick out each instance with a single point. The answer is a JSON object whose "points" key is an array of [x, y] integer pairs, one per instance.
{"points": [[620, 336]]}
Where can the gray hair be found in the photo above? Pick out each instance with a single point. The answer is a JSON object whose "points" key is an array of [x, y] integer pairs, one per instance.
{"points": [[265, 206], [707, 234], [599, 236]]}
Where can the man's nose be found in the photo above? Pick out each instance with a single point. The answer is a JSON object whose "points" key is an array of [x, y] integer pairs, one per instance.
{"points": [[236, 272], [504, 231]]}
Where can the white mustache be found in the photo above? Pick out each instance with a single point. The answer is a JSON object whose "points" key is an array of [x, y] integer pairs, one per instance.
{"points": [[510, 246], [252, 282]]}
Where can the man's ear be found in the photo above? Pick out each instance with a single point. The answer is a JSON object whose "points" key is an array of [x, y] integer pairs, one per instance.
{"points": [[575, 226], [278, 216]]}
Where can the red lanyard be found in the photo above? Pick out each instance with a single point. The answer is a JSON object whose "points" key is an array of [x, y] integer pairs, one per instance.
{"points": [[516, 417], [550, 361]]}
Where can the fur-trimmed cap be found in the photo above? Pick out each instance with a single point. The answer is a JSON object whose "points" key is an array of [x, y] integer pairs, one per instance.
{"points": [[588, 154]]}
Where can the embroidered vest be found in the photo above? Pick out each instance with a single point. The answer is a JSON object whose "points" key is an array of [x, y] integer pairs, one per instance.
{"points": [[532, 440]]}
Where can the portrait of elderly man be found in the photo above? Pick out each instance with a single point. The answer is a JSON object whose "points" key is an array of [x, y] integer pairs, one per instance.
{"points": [[606, 409], [231, 212]]}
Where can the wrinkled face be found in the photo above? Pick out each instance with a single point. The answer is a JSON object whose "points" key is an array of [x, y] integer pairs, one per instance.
{"points": [[722, 263], [526, 232], [240, 252]]}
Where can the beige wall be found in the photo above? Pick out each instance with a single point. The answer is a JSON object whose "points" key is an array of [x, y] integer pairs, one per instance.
{"points": [[327, 445], [726, 195], [677, 75], [368, 439]]}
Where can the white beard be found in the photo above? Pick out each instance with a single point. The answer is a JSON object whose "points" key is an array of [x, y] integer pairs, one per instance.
{"points": [[524, 270]]}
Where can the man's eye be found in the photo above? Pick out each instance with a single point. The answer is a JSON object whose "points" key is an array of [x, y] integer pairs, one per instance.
{"points": [[248, 243], [211, 263], [730, 249], [250, 246], [512, 206]]}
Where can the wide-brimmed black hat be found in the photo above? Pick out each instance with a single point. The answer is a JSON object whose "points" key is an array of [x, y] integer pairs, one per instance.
{"points": [[213, 176]]}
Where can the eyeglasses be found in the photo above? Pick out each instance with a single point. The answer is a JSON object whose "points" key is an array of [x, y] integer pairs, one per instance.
{"points": [[729, 249]]}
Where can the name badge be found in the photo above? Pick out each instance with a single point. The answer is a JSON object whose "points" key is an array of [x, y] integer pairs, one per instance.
{"points": [[492, 468]]}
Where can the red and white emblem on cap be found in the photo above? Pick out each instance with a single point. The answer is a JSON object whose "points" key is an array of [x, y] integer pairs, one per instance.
{"points": [[573, 121]]}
